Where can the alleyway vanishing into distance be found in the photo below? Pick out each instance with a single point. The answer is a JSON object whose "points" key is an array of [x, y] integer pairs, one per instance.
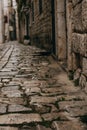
{"points": [[35, 92]]}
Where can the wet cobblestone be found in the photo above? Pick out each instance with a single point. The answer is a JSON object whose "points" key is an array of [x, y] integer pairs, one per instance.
{"points": [[36, 94]]}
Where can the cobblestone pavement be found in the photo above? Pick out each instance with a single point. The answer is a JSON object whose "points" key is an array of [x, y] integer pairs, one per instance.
{"points": [[35, 93]]}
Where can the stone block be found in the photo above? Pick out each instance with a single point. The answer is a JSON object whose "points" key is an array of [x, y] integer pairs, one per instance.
{"points": [[67, 125], [18, 108], [86, 88], [84, 66], [82, 81], [62, 116], [16, 119], [84, 14], [75, 2], [77, 39], [74, 61], [3, 108], [8, 128], [83, 45], [40, 127], [42, 100], [77, 74], [77, 18], [79, 42]]}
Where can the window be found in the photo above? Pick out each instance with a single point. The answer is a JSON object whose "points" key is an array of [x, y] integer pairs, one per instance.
{"points": [[40, 6], [32, 11]]}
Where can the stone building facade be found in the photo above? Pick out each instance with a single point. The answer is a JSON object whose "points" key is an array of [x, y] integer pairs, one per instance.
{"points": [[69, 42], [79, 41], [1, 22], [41, 23], [60, 26]]}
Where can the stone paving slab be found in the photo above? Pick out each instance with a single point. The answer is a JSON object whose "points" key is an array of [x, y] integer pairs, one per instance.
{"points": [[12, 100], [72, 104], [78, 112], [34, 83], [10, 94], [18, 108], [11, 88], [3, 108], [40, 127], [32, 91], [5, 59], [8, 128], [61, 116], [35, 92], [67, 125], [8, 73], [75, 108], [16, 119], [42, 100]]}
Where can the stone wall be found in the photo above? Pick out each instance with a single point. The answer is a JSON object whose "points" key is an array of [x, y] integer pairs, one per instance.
{"points": [[1, 22], [70, 34], [41, 27], [79, 41]]}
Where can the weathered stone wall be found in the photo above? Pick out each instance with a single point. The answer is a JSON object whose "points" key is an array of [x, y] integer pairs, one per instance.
{"points": [[41, 27], [1, 21], [79, 41]]}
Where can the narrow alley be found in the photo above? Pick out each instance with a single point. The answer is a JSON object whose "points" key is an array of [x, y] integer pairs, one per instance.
{"points": [[35, 92], [43, 64]]}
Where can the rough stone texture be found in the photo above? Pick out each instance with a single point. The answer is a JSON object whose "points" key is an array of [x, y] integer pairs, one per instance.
{"points": [[55, 116], [12, 100], [18, 108], [84, 66], [75, 2], [66, 104], [40, 127], [77, 74], [14, 119], [34, 104], [86, 88], [60, 29], [1, 22], [79, 107], [67, 125], [83, 46], [41, 27], [39, 108], [42, 100], [79, 39], [82, 81], [8, 128], [15, 93], [84, 14], [77, 17], [3, 108], [69, 10]]}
